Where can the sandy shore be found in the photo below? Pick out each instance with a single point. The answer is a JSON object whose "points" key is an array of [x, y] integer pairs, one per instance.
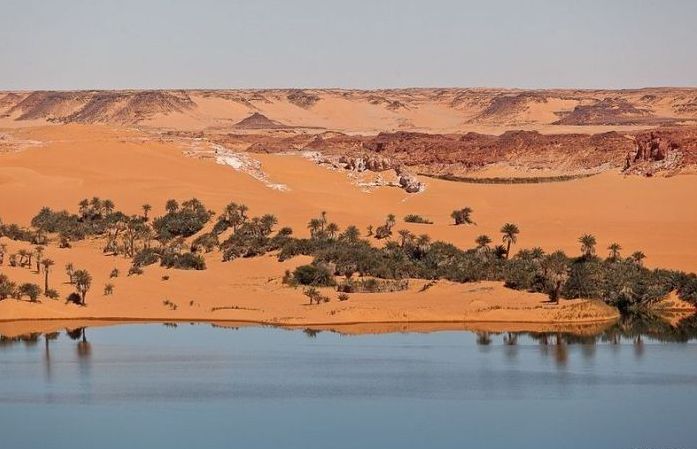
{"points": [[251, 290]]}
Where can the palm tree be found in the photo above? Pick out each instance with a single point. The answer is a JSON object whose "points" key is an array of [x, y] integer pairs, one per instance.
{"points": [[638, 257], [267, 222], [70, 271], [315, 226], [556, 272], [96, 205], [614, 249], [332, 230], [423, 241], [242, 208], [146, 209], [588, 243], [510, 233], [47, 263], [171, 206], [406, 236], [500, 252], [108, 206], [83, 282], [22, 254], [108, 289], [537, 253], [482, 241], [462, 216], [39, 254], [29, 255], [391, 221], [3, 250], [84, 207], [351, 234]]}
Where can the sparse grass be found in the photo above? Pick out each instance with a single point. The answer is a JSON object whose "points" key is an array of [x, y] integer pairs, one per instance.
{"points": [[413, 218], [509, 180], [215, 309], [170, 304]]}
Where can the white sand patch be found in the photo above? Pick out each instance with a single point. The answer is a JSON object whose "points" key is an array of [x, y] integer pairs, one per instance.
{"points": [[246, 164]]}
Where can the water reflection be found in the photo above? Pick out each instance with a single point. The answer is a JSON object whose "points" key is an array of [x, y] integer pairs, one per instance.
{"points": [[236, 386], [634, 330]]}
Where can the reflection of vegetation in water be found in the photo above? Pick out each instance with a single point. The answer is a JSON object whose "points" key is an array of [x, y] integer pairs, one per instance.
{"points": [[84, 349], [483, 338], [652, 325], [633, 327], [312, 333], [30, 339]]}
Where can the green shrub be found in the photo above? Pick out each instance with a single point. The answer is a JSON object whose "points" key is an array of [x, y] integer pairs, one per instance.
{"points": [[31, 290], [314, 275], [372, 285], [51, 294], [185, 261], [145, 257], [185, 221], [413, 218], [204, 242]]}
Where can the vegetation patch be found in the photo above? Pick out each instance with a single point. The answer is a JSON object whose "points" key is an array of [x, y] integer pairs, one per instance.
{"points": [[372, 285], [413, 218], [509, 180]]}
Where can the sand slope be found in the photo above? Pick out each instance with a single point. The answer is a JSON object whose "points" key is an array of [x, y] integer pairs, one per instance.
{"points": [[131, 168]]}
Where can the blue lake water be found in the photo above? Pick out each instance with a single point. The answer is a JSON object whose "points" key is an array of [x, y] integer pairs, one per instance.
{"points": [[198, 386]]}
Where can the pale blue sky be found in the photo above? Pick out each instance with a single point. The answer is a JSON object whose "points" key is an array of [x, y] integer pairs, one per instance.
{"points": [[82, 44]]}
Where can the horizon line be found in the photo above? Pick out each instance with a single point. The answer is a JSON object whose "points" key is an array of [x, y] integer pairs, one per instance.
{"points": [[202, 89]]}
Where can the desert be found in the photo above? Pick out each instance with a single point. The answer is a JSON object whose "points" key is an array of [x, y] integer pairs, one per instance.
{"points": [[616, 165], [320, 224]]}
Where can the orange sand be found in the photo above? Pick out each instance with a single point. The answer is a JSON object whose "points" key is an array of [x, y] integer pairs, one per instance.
{"points": [[130, 168]]}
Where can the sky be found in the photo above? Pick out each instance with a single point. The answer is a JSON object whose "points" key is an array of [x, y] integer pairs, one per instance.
{"points": [[105, 44]]}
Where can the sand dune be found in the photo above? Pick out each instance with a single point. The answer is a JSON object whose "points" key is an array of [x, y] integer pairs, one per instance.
{"points": [[435, 110], [132, 168]]}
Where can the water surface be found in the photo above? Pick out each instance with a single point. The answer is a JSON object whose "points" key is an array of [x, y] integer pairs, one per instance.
{"points": [[197, 386]]}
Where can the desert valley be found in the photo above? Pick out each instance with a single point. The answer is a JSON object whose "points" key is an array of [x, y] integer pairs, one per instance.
{"points": [[328, 224], [322, 167]]}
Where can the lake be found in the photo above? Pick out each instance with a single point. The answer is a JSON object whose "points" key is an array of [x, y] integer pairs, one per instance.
{"points": [[200, 386]]}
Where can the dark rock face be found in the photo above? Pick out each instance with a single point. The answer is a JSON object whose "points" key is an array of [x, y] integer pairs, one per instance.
{"points": [[125, 107], [302, 98], [608, 111], [662, 150], [652, 148]]}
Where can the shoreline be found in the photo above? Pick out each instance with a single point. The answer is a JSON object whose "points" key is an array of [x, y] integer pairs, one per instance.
{"points": [[23, 326]]}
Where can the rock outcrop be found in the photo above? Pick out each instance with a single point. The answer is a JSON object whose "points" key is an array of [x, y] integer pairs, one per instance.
{"points": [[258, 121], [365, 162], [127, 107], [608, 111], [663, 150], [408, 181], [457, 108]]}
